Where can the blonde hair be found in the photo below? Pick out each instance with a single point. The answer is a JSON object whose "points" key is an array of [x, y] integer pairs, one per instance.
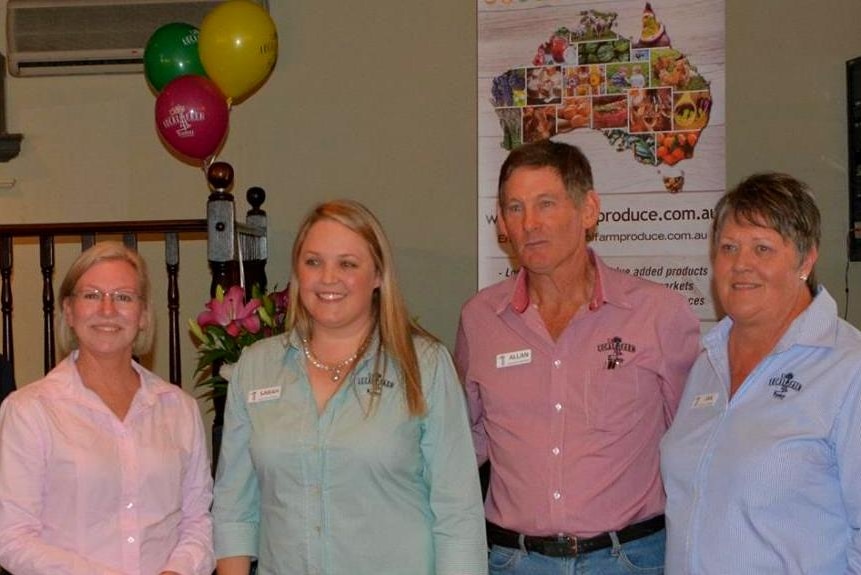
{"points": [[101, 252], [395, 328]]}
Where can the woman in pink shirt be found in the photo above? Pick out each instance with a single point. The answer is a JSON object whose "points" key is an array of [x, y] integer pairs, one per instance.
{"points": [[103, 466]]}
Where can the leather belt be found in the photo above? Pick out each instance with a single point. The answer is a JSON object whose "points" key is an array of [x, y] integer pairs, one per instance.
{"points": [[570, 545]]}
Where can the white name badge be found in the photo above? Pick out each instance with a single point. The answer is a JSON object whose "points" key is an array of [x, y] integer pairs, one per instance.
{"points": [[704, 400], [511, 358], [264, 394]]}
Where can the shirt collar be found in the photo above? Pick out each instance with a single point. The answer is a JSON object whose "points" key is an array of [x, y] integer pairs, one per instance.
{"points": [[602, 292], [816, 326], [72, 386]]}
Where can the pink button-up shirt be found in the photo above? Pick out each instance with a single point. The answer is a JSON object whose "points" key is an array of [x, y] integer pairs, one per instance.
{"points": [[571, 427], [82, 492]]}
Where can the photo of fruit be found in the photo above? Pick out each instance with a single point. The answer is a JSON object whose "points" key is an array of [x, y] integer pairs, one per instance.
{"points": [[618, 50], [674, 147], [574, 113], [691, 110]]}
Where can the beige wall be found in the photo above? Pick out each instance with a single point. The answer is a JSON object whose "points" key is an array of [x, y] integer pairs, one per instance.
{"points": [[376, 101]]}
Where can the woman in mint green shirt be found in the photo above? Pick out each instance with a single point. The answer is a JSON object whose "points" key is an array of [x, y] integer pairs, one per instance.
{"points": [[346, 445]]}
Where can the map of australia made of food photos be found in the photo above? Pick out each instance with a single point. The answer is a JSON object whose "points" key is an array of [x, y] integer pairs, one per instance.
{"points": [[646, 96]]}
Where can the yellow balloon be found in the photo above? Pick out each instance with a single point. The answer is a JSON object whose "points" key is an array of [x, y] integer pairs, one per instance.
{"points": [[238, 46]]}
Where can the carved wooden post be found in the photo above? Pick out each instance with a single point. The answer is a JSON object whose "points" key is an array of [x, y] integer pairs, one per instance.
{"points": [[255, 248], [6, 299], [46, 263], [220, 217], [171, 260]]}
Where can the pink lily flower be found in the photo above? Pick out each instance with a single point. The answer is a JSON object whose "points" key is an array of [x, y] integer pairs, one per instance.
{"points": [[232, 313]]}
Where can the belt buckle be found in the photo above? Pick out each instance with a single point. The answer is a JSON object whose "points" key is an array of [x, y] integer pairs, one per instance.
{"points": [[562, 546]]}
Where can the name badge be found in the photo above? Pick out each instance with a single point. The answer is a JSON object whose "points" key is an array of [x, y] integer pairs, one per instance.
{"points": [[704, 400], [264, 394], [512, 358]]}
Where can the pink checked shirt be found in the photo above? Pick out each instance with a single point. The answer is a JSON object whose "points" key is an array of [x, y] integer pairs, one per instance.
{"points": [[571, 427], [84, 493]]}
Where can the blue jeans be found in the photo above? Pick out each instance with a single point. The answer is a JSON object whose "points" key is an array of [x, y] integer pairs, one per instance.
{"points": [[644, 555]]}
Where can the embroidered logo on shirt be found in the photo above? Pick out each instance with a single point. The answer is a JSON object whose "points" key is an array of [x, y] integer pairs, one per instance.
{"points": [[783, 383], [616, 347], [511, 358], [704, 400], [375, 383], [264, 394]]}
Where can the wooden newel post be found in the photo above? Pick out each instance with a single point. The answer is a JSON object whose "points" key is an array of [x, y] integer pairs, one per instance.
{"points": [[221, 217]]}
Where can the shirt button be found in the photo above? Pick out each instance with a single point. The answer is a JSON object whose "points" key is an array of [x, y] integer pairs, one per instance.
{"points": [[557, 363], [129, 505], [555, 451], [557, 496], [558, 407], [131, 539]]}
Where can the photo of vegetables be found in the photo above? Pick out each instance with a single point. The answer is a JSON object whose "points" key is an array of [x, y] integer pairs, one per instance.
{"points": [[511, 122], [509, 89]]}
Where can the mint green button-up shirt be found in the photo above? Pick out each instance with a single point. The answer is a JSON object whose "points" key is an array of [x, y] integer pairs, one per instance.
{"points": [[353, 490]]}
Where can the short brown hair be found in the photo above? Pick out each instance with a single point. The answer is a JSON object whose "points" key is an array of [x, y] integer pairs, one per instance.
{"points": [[776, 201], [566, 160]]}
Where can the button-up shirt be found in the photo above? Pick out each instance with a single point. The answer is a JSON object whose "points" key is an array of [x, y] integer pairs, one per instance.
{"points": [[361, 488], [571, 426], [82, 492], [769, 481]]}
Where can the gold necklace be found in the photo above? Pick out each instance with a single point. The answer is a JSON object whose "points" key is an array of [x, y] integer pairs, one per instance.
{"points": [[335, 370]]}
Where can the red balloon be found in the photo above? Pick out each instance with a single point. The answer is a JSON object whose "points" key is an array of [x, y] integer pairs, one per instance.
{"points": [[191, 114]]}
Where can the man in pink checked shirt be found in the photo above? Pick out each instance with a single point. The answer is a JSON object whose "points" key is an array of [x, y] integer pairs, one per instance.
{"points": [[573, 372]]}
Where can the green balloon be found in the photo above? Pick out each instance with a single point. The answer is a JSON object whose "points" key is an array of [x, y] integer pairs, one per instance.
{"points": [[171, 52]]}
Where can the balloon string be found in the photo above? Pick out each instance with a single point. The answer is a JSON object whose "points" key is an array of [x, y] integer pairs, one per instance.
{"points": [[207, 163]]}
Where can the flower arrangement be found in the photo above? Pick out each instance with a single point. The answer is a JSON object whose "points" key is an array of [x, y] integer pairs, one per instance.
{"points": [[228, 325]]}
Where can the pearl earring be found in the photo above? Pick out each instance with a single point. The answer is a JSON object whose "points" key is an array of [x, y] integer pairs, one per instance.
{"points": [[803, 277]]}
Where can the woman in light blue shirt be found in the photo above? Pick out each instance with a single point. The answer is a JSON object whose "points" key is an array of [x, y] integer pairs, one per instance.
{"points": [[346, 445], [762, 465]]}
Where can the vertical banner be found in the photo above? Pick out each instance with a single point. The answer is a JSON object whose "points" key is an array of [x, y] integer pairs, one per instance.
{"points": [[639, 87]]}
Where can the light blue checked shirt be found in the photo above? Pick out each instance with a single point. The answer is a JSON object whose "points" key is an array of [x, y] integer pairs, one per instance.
{"points": [[769, 482]]}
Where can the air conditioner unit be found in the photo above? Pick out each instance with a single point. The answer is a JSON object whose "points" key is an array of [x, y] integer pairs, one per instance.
{"points": [[66, 37]]}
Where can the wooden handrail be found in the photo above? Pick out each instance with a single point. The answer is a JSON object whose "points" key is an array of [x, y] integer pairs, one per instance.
{"points": [[85, 228]]}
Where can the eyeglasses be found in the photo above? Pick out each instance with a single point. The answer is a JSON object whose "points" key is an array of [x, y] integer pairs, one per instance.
{"points": [[120, 298]]}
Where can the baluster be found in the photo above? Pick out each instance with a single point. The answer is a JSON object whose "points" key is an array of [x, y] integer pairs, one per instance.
{"points": [[6, 299], [46, 263], [87, 241], [256, 247], [130, 240], [171, 258]]}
